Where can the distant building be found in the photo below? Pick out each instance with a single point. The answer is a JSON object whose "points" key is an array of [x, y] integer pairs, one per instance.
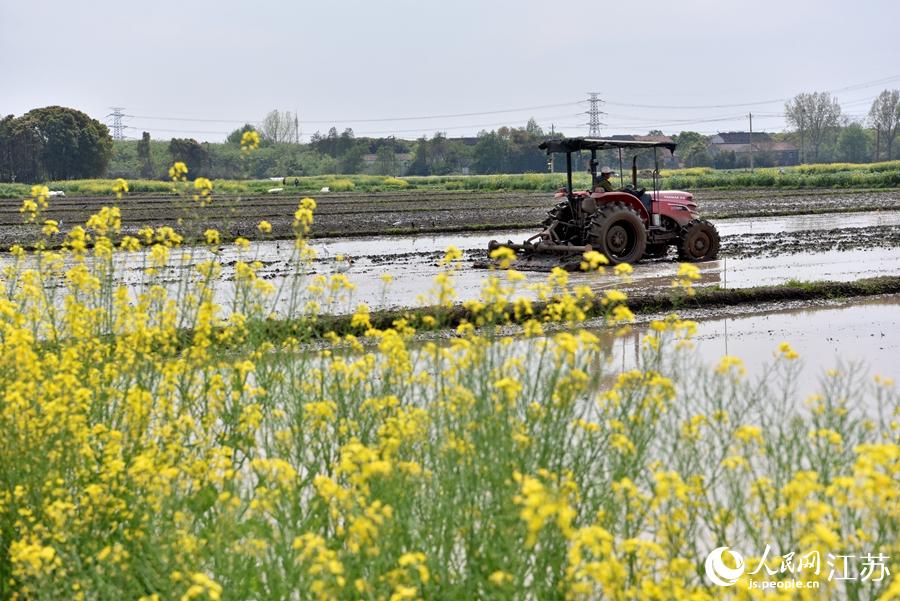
{"points": [[666, 159], [725, 145]]}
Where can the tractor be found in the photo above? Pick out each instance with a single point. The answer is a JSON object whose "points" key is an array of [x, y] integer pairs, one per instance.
{"points": [[625, 225]]}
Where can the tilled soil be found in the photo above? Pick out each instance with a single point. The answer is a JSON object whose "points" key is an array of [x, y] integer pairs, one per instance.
{"points": [[838, 239], [355, 214]]}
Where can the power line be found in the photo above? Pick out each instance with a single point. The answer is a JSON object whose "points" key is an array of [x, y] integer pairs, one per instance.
{"points": [[176, 131], [449, 116], [192, 120], [594, 115], [593, 123], [417, 130], [374, 120], [858, 86]]}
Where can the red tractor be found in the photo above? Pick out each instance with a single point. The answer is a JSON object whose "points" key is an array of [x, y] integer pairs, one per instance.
{"points": [[626, 225]]}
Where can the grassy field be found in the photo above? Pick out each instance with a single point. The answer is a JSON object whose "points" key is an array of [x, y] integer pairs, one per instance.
{"points": [[834, 175], [157, 445]]}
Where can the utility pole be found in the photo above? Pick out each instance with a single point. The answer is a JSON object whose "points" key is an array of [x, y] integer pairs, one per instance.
{"points": [[296, 127], [118, 129], [751, 142], [550, 156], [594, 113]]}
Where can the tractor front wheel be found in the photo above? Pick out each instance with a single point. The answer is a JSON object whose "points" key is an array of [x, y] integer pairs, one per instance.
{"points": [[699, 241], [618, 232]]}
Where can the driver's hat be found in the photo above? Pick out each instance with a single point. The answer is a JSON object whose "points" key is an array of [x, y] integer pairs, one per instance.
{"points": [[605, 170]]}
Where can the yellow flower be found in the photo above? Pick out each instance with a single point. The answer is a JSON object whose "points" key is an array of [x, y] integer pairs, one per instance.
{"points": [[785, 351], [509, 387], [500, 578], [623, 269], [249, 141], [265, 227], [212, 236], [32, 207], [593, 260], [303, 216], [504, 256], [178, 171], [621, 314], [50, 227], [203, 189], [687, 274], [615, 296], [727, 362], [749, 434], [452, 254], [689, 271], [360, 319], [120, 187]]}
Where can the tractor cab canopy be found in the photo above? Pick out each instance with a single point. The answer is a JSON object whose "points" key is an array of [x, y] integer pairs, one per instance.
{"points": [[576, 145], [579, 144]]}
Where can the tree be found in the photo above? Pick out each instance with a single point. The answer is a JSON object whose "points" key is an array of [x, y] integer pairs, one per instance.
{"points": [[853, 144], [191, 153], [419, 164], [491, 153], [143, 151], [885, 116], [726, 160], [279, 127], [814, 115], [351, 160], [534, 130], [693, 149], [6, 149], [53, 142], [386, 160], [439, 154]]}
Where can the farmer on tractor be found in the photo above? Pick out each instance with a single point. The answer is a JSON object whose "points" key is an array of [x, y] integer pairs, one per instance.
{"points": [[625, 224], [603, 184]]}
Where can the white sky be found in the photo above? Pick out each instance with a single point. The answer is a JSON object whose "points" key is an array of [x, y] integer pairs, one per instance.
{"points": [[362, 60]]}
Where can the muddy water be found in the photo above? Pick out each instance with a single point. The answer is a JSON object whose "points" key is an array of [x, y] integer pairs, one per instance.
{"points": [[860, 337], [413, 260], [432, 243]]}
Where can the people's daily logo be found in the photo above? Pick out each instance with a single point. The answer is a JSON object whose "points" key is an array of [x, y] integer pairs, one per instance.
{"points": [[718, 572]]}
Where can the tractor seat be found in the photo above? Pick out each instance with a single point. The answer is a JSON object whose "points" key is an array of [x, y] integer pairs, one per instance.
{"points": [[646, 200], [638, 192]]}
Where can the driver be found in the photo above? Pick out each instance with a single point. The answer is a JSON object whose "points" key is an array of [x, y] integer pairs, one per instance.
{"points": [[603, 184]]}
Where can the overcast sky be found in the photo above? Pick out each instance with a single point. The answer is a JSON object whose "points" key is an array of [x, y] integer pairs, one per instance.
{"points": [[351, 62]]}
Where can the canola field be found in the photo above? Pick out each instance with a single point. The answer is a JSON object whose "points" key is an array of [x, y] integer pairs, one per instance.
{"points": [[158, 444]]}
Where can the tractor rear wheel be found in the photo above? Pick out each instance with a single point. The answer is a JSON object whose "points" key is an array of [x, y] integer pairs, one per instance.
{"points": [[618, 232], [699, 241], [561, 225], [560, 212]]}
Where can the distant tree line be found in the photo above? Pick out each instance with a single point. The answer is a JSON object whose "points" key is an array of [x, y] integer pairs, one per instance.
{"points": [[62, 143]]}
